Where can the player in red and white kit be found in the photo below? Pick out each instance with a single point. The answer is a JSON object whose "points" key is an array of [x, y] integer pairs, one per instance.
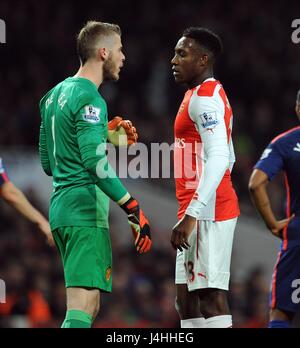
{"points": [[208, 205]]}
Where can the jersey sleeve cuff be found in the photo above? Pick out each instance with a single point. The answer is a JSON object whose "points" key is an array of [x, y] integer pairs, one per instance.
{"points": [[124, 199], [194, 208]]}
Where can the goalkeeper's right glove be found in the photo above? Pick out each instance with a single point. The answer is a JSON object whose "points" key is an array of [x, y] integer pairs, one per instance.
{"points": [[121, 132], [139, 225]]}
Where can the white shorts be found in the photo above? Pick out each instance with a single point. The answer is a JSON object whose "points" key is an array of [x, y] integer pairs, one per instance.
{"points": [[206, 264]]}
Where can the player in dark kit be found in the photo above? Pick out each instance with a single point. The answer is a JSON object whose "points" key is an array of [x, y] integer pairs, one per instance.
{"points": [[282, 154]]}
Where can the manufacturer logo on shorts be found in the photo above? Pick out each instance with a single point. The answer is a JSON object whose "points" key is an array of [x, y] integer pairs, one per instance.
{"points": [[108, 274]]}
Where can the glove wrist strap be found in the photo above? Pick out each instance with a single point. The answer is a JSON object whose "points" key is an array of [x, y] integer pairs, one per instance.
{"points": [[124, 199], [130, 206]]}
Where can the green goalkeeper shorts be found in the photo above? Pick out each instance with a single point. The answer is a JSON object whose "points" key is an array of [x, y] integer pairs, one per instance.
{"points": [[86, 255]]}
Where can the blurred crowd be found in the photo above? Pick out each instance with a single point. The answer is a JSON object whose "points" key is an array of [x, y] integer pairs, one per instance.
{"points": [[259, 73]]}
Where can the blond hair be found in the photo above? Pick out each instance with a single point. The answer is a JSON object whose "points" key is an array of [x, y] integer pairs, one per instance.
{"points": [[90, 34]]}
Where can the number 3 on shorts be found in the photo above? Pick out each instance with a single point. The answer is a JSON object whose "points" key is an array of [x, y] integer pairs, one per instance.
{"points": [[189, 268]]}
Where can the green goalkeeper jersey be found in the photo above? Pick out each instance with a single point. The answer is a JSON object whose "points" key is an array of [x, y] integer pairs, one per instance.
{"points": [[73, 137]]}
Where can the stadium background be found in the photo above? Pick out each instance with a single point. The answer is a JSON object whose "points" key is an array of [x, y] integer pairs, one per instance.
{"points": [[260, 72]]}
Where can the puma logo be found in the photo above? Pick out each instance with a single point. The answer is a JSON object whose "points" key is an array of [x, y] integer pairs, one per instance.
{"points": [[202, 275]]}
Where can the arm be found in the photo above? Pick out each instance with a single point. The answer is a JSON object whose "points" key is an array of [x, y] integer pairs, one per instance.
{"points": [[215, 144], [231, 156], [216, 150], [258, 192], [91, 137], [43, 151], [15, 197], [270, 164]]}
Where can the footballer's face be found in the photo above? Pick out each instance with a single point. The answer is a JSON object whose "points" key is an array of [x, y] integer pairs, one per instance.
{"points": [[188, 64], [115, 60]]}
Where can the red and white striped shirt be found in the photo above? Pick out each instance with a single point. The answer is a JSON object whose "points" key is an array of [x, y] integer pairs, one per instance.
{"points": [[204, 154]]}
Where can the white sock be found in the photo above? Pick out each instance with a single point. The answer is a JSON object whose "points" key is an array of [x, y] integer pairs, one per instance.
{"points": [[220, 321], [192, 323]]}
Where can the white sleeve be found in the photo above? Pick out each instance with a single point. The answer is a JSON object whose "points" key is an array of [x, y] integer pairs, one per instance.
{"points": [[231, 156], [208, 115], [231, 149]]}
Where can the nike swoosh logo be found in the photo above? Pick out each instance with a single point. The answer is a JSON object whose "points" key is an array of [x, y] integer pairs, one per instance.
{"points": [[297, 148]]}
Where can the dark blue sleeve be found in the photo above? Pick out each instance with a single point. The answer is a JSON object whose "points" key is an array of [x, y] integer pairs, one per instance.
{"points": [[271, 161], [3, 176]]}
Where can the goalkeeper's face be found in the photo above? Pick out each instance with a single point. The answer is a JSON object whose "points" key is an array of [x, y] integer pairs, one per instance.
{"points": [[115, 60]]}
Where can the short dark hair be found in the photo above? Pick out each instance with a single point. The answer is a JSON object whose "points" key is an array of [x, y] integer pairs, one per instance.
{"points": [[88, 36], [205, 38]]}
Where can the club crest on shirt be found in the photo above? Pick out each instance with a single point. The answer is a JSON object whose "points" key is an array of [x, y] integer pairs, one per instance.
{"points": [[265, 154], [91, 114], [108, 273], [209, 120]]}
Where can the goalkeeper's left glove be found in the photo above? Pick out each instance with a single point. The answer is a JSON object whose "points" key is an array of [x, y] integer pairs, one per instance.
{"points": [[121, 132], [139, 225]]}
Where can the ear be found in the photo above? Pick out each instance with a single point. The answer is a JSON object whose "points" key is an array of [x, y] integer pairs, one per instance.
{"points": [[204, 60], [102, 53]]}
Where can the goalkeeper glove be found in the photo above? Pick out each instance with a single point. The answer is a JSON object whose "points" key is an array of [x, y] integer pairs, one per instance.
{"points": [[121, 132], [139, 225]]}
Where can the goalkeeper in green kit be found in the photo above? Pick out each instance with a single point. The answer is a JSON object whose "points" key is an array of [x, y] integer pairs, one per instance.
{"points": [[73, 134]]}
